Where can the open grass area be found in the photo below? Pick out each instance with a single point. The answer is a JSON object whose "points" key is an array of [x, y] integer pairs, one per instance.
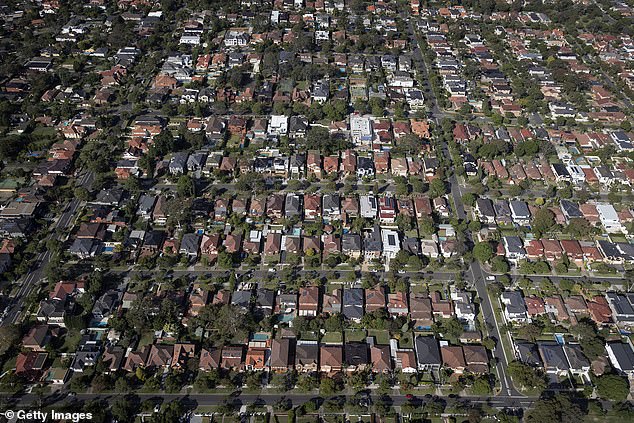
{"points": [[146, 339], [381, 337], [406, 340], [332, 338], [307, 418], [71, 340], [281, 418], [355, 335]]}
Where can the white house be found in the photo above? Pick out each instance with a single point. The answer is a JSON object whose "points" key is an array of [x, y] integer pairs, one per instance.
{"points": [[609, 218], [391, 243], [278, 125]]}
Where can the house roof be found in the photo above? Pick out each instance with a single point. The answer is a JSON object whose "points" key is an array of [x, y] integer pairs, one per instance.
{"points": [[553, 356], [427, 350], [453, 357], [280, 353], [356, 353], [380, 357], [306, 354], [331, 355]]}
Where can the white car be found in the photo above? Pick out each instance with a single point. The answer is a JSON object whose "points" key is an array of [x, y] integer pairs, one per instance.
{"points": [[490, 278]]}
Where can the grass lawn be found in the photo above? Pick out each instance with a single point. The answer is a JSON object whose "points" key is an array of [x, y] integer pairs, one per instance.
{"points": [[381, 337], [71, 341], [332, 338], [281, 418], [406, 340], [309, 336], [332, 418], [9, 364], [146, 339], [418, 288], [355, 335], [44, 131]]}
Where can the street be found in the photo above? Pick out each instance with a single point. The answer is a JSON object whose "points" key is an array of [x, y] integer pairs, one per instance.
{"points": [[31, 280]]}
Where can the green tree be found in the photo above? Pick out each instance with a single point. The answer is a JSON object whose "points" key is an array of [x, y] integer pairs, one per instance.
{"points": [[9, 337], [558, 408], [543, 221], [437, 188], [525, 376], [612, 387], [185, 186], [483, 252], [499, 264]]}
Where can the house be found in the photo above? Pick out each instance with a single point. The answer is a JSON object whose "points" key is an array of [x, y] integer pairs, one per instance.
{"points": [[306, 357], [209, 359], [84, 248], [280, 360], [275, 206], [622, 306], [368, 206], [553, 357], [241, 299], [578, 362], [372, 243], [528, 354], [453, 358], [146, 206], [331, 208], [514, 306], [405, 360], [30, 365], [331, 359], [292, 206], [356, 356], [380, 359], [427, 353], [256, 358], [312, 206], [420, 311], [178, 163], [621, 356], [520, 213], [609, 218], [309, 301], [353, 304], [476, 358], [332, 302], [374, 299], [365, 167], [485, 211], [278, 125], [272, 245], [190, 244], [513, 249], [360, 129], [181, 354], [391, 243], [37, 338], [231, 357], [351, 245], [105, 305], [264, 302], [387, 209], [397, 304]]}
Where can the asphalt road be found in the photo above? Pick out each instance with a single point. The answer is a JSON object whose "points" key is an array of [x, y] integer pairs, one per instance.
{"points": [[238, 399], [475, 275], [14, 310]]}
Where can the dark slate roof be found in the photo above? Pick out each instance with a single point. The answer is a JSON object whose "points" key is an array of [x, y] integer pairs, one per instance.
{"points": [[427, 350]]}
